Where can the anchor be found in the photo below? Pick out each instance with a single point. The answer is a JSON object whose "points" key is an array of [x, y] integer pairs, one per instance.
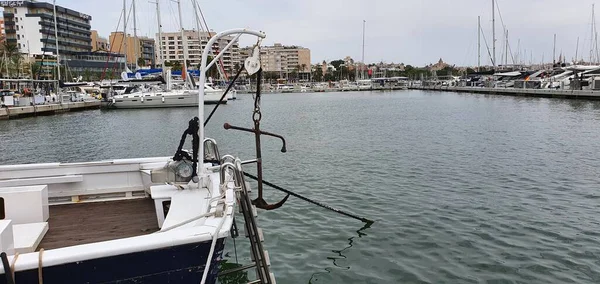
{"points": [[260, 202]]}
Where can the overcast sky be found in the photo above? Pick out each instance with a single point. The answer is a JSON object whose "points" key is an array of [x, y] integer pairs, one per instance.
{"points": [[412, 32]]}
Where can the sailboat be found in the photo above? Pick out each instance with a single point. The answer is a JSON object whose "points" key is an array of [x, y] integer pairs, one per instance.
{"points": [[142, 95], [145, 220]]}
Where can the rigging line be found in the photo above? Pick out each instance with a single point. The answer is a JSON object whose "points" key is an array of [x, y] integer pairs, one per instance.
{"points": [[121, 45], [208, 30], [487, 47], [111, 44], [224, 94], [504, 27], [312, 201]]}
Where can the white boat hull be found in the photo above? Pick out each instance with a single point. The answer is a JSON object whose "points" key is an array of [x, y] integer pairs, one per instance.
{"points": [[185, 99]]}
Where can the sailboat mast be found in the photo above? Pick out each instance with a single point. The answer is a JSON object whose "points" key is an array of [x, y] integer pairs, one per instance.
{"points": [[494, 33], [478, 43], [576, 50], [160, 50], [506, 49], [554, 51], [125, 33], [135, 39], [592, 35], [183, 42], [56, 42], [362, 74]]}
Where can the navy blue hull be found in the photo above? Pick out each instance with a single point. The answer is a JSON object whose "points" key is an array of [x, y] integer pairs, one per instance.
{"points": [[178, 264]]}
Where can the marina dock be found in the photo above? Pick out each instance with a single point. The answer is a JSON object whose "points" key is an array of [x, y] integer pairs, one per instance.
{"points": [[541, 93], [16, 112]]}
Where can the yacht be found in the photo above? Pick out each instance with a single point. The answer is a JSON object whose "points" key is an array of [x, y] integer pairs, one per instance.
{"points": [[154, 97], [143, 220]]}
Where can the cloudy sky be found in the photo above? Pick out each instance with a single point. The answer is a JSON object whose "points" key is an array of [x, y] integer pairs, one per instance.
{"points": [[412, 32]]}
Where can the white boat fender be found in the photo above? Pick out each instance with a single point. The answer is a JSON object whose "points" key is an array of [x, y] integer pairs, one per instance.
{"points": [[142, 99], [113, 100], [163, 99]]}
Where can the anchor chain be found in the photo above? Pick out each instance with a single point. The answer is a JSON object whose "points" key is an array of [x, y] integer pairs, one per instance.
{"points": [[256, 117]]}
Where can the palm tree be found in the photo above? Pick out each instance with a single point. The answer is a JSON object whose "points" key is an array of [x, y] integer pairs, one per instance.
{"points": [[10, 53], [141, 62]]}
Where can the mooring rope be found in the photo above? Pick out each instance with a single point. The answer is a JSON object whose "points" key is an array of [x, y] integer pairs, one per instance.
{"points": [[312, 201]]}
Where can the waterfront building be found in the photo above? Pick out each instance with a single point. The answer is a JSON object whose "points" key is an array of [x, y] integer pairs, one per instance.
{"points": [[172, 49], [284, 59], [144, 46], [99, 43], [438, 66], [30, 26]]}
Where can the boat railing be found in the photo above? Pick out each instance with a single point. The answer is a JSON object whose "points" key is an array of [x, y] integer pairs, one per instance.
{"points": [[211, 152], [233, 167]]}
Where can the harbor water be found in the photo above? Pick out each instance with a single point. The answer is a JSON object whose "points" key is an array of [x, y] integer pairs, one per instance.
{"points": [[463, 188]]}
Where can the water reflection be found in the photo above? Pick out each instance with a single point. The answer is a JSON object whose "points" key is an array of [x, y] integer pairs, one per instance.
{"points": [[340, 254]]}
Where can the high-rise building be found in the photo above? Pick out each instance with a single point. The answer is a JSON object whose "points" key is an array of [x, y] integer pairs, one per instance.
{"points": [[284, 59], [144, 45], [172, 49], [99, 43], [30, 26]]}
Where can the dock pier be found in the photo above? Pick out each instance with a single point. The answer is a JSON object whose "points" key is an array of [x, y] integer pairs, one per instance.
{"points": [[541, 93], [25, 111]]}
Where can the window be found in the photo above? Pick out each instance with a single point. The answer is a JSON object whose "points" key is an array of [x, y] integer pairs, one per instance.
{"points": [[171, 47], [2, 213], [16, 19], [171, 38]]}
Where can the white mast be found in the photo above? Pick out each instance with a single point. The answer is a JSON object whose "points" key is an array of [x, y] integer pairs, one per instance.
{"points": [[494, 33], [478, 43], [56, 42], [554, 51], [135, 39], [160, 52], [125, 34], [506, 49], [592, 35], [362, 74], [183, 42]]}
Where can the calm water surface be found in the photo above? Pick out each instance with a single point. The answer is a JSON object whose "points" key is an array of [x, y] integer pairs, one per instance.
{"points": [[464, 188]]}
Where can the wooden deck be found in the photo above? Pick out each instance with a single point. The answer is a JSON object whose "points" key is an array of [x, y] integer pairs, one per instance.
{"points": [[84, 223]]}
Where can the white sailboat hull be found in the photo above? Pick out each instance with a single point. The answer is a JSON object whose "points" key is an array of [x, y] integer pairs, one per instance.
{"points": [[157, 100]]}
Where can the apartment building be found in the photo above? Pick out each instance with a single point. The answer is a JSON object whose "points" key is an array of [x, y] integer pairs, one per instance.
{"points": [[172, 49], [30, 26], [281, 58], [144, 46], [98, 43]]}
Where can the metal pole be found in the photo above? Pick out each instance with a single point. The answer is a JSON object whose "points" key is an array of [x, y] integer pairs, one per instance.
{"points": [[202, 81], [184, 43], [494, 33], [478, 43]]}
